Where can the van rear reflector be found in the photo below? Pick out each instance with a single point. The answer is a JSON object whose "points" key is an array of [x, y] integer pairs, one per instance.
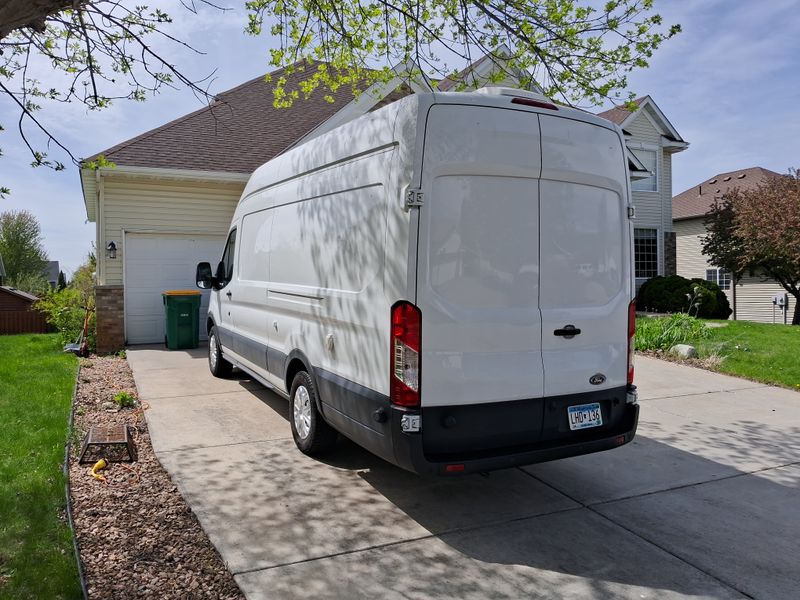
{"points": [[455, 468], [404, 358], [536, 103]]}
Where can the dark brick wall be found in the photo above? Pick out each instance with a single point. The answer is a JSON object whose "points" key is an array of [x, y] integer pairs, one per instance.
{"points": [[110, 318], [670, 254]]}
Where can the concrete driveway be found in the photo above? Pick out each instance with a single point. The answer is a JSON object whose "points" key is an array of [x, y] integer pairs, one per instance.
{"points": [[704, 503]]}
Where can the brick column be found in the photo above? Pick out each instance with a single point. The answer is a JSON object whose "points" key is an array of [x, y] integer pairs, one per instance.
{"points": [[670, 254], [110, 318]]}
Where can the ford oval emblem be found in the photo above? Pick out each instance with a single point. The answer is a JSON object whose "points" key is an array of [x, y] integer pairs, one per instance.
{"points": [[597, 379]]}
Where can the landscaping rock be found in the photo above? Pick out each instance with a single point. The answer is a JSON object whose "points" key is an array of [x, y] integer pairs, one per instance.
{"points": [[684, 351], [137, 536]]}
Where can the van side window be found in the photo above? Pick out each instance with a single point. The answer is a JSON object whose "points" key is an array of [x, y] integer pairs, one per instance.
{"points": [[227, 260]]}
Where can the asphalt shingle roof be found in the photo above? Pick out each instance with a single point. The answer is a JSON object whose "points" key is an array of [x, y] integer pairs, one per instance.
{"points": [[618, 114], [698, 200], [237, 133]]}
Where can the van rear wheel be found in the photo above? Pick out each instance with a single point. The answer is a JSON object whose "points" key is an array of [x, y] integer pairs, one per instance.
{"points": [[218, 366], [312, 435]]}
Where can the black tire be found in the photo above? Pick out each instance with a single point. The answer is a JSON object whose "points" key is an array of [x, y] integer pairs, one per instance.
{"points": [[315, 437], [218, 366]]}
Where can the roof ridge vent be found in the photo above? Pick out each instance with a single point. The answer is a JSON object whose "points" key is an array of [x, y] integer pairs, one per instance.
{"points": [[741, 176]]}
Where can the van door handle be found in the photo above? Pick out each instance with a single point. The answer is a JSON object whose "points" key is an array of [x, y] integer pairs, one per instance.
{"points": [[567, 332], [228, 294]]}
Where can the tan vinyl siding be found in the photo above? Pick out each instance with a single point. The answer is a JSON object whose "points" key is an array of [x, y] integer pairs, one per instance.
{"points": [[754, 300], [131, 204], [689, 248], [753, 296], [653, 209], [642, 130], [666, 190]]}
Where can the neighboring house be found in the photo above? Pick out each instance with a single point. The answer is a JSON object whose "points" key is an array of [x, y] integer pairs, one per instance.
{"points": [[752, 298], [168, 201], [652, 140], [17, 314], [51, 271]]}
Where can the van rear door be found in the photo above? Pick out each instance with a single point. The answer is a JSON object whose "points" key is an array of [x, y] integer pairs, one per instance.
{"points": [[585, 277], [478, 273]]}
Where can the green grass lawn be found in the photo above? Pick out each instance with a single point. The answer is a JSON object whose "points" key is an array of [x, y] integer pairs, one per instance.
{"points": [[759, 351], [36, 383]]}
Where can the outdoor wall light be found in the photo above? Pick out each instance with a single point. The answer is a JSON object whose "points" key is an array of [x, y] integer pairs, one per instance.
{"points": [[111, 250]]}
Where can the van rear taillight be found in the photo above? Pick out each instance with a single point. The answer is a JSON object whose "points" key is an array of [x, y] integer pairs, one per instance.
{"points": [[631, 338], [405, 354]]}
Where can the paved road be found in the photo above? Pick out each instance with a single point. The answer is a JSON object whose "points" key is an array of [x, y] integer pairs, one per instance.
{"points": [[704, 503]]}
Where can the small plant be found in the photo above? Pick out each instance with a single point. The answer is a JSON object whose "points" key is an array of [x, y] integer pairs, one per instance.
{"points": [[125, 400], [86, 363], [120, 354], [664, 332]]}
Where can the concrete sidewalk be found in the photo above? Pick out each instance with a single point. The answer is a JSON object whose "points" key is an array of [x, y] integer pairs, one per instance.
{"points": [[705, 502]]}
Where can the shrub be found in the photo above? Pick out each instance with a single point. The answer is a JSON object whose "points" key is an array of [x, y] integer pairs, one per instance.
{"points": [[125, 400], [664, 332], [675, 294], [65, 310]]}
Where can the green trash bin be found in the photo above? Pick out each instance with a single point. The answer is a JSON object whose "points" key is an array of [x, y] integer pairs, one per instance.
{"points": [[182, 309]]}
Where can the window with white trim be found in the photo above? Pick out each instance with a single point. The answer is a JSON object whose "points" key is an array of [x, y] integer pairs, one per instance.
{"points": [[719, 276], [649, 158], [645, 252]]}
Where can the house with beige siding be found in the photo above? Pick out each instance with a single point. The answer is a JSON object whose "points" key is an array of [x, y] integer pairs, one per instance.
{"points": [[652, 140], [167, 202], [752, 297]]}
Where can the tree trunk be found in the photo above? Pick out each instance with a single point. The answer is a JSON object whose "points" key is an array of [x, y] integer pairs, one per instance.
{"points": [[16, 14], [796, 316]]}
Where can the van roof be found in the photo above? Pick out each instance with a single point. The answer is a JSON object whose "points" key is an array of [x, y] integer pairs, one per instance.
{"points": [[390, 125]]}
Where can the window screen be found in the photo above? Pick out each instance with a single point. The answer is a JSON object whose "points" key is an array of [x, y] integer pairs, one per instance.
{"points": [[649, 160], [645, 249]]}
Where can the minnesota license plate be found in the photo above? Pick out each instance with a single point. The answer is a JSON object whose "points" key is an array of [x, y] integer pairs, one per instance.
{"points": [[584, 416]]}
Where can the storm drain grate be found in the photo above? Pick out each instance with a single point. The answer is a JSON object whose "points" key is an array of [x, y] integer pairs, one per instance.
{"points": [[116, 439]]}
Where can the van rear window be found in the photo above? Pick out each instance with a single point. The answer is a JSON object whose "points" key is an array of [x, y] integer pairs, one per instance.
{"points": [[484, 241]]}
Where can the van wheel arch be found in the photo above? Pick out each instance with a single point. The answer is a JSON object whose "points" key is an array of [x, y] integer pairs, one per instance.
{"points": [[296, 362]]}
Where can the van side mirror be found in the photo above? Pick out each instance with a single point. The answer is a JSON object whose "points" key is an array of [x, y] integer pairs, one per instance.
{"points": [[203, 277]]}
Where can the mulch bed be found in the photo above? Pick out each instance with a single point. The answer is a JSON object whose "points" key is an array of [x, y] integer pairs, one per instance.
{"points": [[137, 536]]}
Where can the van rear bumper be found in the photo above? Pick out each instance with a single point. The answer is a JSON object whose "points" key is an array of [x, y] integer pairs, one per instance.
{"points": [[410, 454]]}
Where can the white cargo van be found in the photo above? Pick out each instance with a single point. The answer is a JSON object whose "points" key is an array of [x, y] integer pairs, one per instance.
{"points": [[446, 281]]}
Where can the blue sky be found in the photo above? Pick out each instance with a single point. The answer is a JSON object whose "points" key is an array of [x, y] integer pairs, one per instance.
{"points": [[730, 84]]}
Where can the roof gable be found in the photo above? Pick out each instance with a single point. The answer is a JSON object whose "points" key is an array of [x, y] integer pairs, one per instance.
{"points": [[698, 200], [623, 117], [237, 133]]}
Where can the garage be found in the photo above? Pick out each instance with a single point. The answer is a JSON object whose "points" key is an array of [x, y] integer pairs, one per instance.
{"points": [[154, 263]]}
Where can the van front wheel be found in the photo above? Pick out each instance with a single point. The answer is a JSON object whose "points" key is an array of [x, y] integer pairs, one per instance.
{"points": [[218, 366], [312, 435]]}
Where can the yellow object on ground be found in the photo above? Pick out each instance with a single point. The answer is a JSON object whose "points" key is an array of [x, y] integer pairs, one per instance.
{"points": [[99, 465]]}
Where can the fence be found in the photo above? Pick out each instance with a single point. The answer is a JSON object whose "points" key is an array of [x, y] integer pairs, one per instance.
{"points": [[22, 321]]}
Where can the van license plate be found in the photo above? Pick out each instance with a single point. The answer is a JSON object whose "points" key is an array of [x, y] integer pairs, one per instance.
{"points": [[584, 416]]}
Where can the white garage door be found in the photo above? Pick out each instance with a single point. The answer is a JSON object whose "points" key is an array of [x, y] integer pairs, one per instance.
{"points": [[158, 262]]}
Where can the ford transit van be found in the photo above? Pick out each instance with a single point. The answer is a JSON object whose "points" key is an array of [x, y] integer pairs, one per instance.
{"points": [[447, 281]]}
